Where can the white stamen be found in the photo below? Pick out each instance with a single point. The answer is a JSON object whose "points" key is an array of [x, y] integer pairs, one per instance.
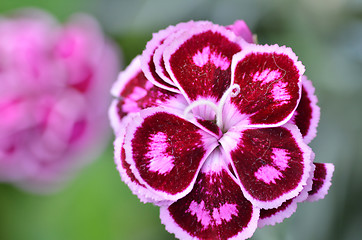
{"points": [[227, 93]]}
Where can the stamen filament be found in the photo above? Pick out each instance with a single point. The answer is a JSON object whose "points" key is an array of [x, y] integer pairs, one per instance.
{"points": [[227, 93]]}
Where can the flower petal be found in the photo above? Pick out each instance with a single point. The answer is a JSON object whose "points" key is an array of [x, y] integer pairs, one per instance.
{"points": [[270, 84], [129, 79], [321, 181], [199, 61], [277, 215], [210, 127], [159, 77], [214, 209], [241, 29], [286, 210], [124, 168], [158, 60], [272, 164], [166, 151], [307, 114], [135, 93]]}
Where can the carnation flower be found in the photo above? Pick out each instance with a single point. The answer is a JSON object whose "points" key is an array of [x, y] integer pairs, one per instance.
{"points": [[214, 128], [53, 96]]}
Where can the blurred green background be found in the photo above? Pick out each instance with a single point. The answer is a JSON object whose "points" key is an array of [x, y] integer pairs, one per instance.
{"points": [[327, 37]]}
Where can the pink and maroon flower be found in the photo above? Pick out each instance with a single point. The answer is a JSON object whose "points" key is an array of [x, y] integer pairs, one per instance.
{"points": [[54, 96], [214, 128]]}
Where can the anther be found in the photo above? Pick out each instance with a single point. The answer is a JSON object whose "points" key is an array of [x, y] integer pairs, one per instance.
{"points": [[235, 90]]}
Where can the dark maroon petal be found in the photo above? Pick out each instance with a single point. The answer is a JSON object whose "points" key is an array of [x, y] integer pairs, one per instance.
{"points": [[129, 79], [124, 168], [159, 63], [158, 60], [307, 114], [270, 84], [272, 164], [131, 87], [210, 126], [277, 215], [241, 29], [321, 181], [199, 61], [147, 60], [214, 209], [166, 151], [135, 93], [137, 188]]}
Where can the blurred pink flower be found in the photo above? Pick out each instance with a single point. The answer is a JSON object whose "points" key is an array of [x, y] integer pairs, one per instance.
{"points": [[53, 96]]}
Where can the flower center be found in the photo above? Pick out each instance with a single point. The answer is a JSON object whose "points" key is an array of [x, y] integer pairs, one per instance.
{"points": [[232, 91]]}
